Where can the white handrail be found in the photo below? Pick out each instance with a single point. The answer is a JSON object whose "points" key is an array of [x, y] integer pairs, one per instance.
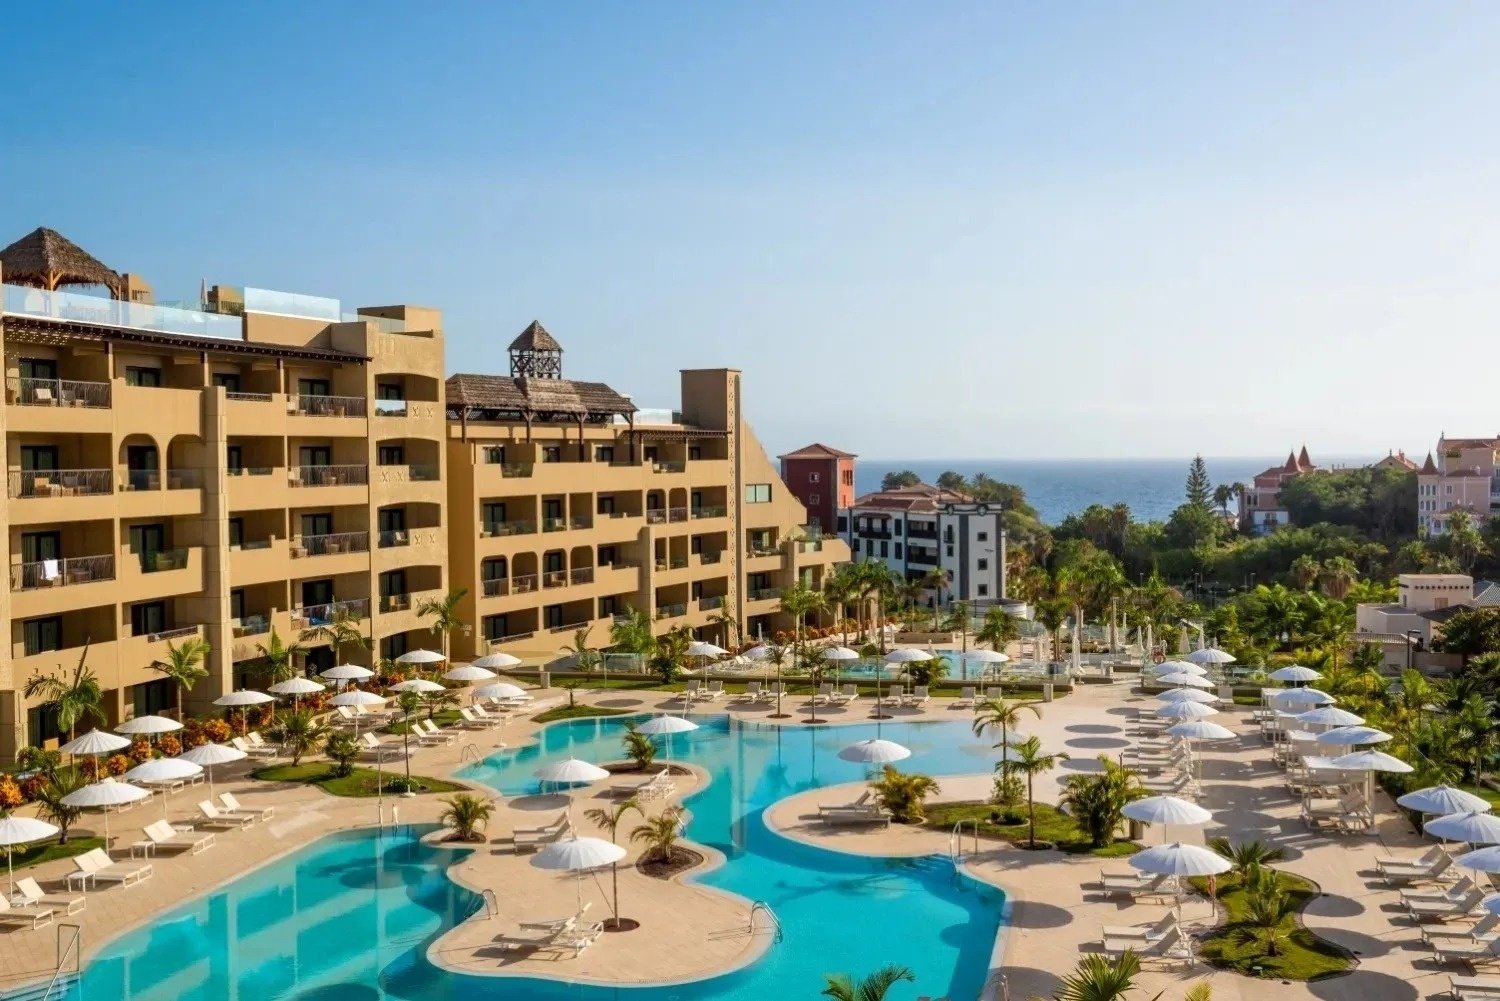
{"points": [[956, 838], [761, 905], [62, 959]]}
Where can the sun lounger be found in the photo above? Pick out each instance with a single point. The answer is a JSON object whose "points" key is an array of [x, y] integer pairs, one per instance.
{"points": [[551, 924], [1180, 785], [212, 817], [1455, 892], [164, 835], [824, 694], [965, 697], [859, 804], [492, 713], [1428, 857], [1170, 948], [655, 786], [1347, 813], [232, 805], [1443, 910], [1483, 930], [534, 938], [849, 693], [693, 690], [918, 696], [100, 868], [429, 735], [994, 694], [1137, 884], [470, 720], [385, 752], [1139, 933], [24, 914], [579, 937], [857, 815], [750, 694], [257, 741], [715, 690], [34, 896], [534, 837], [1474, 988], [1474, 953], [241, 744]]}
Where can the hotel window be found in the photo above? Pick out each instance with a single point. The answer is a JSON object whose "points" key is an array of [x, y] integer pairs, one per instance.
{"points": [[314, 387], [950, 550], [606, 505], [227, 381], [139, 375], [984, 590], [898, 550], [900, 527], [815, 498], [390, 455], [552, 616], [494, 455], [394, 646], [984, 536], [885, 548], [814, 477], [41, 635], [607, 556], [551, 453], [496, 627], [843, 523], [984, 564], [604, 453], [608, 606], [695, 452], [869, 547], [236, 532], [757, 493]]}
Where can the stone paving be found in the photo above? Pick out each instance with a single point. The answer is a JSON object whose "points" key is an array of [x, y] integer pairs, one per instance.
{"points": [[1056, 911]]}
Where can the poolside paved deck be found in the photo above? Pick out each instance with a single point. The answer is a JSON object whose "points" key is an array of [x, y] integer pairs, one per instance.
{"points": [[1056, 914]]}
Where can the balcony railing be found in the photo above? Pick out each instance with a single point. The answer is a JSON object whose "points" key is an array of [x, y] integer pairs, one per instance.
{"points": [[175, 633], [61, 572], [763, 550], [515, 469], [330, 476], [250, 397], [20, 300], [184, 479], [250, 470], [422, 473], [58, 393], [765, 594], [338, 542], [390, 408], [395, 603], [61, 482], [677, 514], [708, 559], [500, 529], [675, 563], [497, 587], [327, 406], [161, 560], [571, 627], [711, 602], [709, 512], [393, 539], [555, 578], [523, 584], [252, 625], [496, 642], [554, 524], [581, 575], [321, 615], [669, 467], [656, 516], [671, 611]]}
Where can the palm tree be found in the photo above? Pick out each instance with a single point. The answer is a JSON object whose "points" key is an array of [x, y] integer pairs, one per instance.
{"points": [[726, 621], [633, 634], [1247, 855], [659, 834], [468, 815], [280, 657], [997, 629], [1031, 762], [342, 748], [1338, 576], [1267, 908], [840, 588], [1097, 802], [998, 712], [444, 614], [1223, 494], [842, 987], [797, 602], [609, 820], [669, 652], [958, 619], [184, 665], [300, 732], [50, 796], [902, 793], [585, 656], [1474, 725], [341, 631], [1304, 571], [935, 581], [1099, 978], [77, 698]]}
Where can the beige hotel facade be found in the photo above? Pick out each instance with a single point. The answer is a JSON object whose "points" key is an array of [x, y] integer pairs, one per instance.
{"points": [[262, 460]]}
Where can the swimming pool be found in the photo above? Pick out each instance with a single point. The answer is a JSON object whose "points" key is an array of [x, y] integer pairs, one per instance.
{"points": [[349, 917]]}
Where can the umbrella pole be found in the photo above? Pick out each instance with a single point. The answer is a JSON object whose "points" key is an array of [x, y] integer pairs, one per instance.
{"points": [[106, 830]]}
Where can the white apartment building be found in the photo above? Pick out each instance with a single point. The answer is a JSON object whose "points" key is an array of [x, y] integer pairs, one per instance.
{"points": [[915, 530]]}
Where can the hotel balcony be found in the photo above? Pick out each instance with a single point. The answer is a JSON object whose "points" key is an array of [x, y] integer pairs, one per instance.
{"points": [[162, 574], [673, 611], [259, 562], [136, 653], [398, 612], [142, 495], [256, 413], [326, 416], [417, 482], [48, 587], [332, 485], [312, 616], [71, 495], [338, 553], [66, 406], [257, 487]]}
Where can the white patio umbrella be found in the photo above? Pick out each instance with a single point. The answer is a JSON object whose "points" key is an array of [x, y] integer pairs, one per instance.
{"points": [[760, 652], [702, 648], [1329, 716], [987, 658], [1185, 710], [838, 655], [570, 771], [578, 856], [1353, 736], [1210, 656], [419, 685], [500, 690], [421, 657], [347, 672], [209, 755], [903, 655], [1166, 810], [1186, 680], [21, 831], [1370, 762], [163, 770], [1444, 800], [1474, 827], [243, 700], [148, 726], [103, 795], [875, 752], [468, 672], [1194, 730], [1483, 860], [296, 688], [1294, 673], [95, 742], [356, 698], [1176, 667], [1176, 859], [1187, 695], [496, 661], [1291, 698], [663, 726]]}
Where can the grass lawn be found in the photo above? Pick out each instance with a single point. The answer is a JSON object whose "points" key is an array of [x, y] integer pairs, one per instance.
{"points": [[50, 849], [1485, 791], [1304, 956], [361, 782], [1051, 825], [443, 718], [576, 712]]}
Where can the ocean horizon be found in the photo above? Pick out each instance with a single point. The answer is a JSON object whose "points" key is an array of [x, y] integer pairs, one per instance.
{"points": [[1153, 488]]}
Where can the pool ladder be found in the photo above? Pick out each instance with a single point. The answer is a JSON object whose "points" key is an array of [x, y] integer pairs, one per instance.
{"points": [[470, 751], [69, 946], [956, 839], [759, 906], [491, 904]]}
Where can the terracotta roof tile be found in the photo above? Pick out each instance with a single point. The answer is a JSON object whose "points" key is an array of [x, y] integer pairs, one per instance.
{"points": [[817, 450]]}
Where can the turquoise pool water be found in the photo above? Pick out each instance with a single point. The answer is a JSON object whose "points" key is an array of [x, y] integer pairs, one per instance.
{"points": [[349, 917]]}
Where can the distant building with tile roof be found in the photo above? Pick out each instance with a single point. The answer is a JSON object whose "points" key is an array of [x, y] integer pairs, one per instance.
{"points": [[1260, 503], [918, 529], [1459, 475], [822, 478]]}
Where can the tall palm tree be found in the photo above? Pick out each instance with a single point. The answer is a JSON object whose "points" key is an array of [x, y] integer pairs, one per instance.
{"points": [[1338, 576], [280, 657], [878, 585], [341, 631], [184, 665], [669, 653], [726, 621], [842, 987], [299, 731], [992, 713], [585, 656], [1031, 762], [1097, 801], [936, 580], [659, 834], [77, 698], [609, 820], [633, 634], [842, 588], [444, 615], [997, 629], [1246, 855]]}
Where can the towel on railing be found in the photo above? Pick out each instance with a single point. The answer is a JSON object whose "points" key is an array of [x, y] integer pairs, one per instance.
{"points": [[50, 570]]}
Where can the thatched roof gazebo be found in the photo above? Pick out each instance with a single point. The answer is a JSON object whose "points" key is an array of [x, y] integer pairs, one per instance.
{"points": [[535, 354], [48, 260]]}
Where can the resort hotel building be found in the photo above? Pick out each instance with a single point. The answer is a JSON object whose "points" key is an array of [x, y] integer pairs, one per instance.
{"points": [[264, 461], [919, 529], [1461, 475]]}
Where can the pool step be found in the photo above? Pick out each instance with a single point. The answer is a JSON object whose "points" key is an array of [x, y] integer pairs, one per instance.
{"points": [[39, 990]]}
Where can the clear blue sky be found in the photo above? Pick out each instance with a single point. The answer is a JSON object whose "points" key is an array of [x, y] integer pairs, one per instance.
{"points": [[965, 230]]}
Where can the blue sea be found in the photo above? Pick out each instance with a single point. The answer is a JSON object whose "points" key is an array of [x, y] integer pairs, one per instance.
{"points": [[1059, 487]]}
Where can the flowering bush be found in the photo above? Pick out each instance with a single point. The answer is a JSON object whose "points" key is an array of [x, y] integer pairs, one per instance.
{"points": [[141, 751], [117, 764], [168, 745], [32, 788], [10, 793], [216, 730]]}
